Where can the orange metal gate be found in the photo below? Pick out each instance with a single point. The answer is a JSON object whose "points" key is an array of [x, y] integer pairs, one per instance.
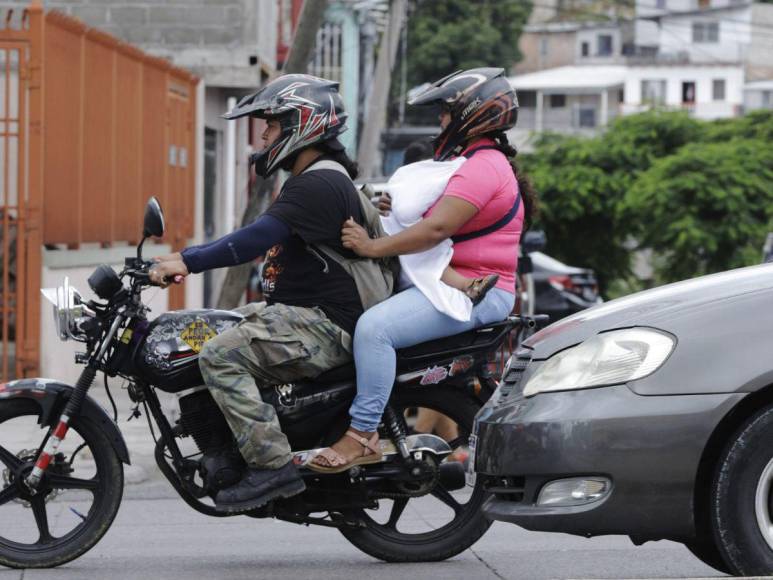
{"points": [[109, 126], [20, 191]]}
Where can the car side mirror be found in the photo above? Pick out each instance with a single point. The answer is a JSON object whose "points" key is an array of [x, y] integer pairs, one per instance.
{"points": [[533, 241]]}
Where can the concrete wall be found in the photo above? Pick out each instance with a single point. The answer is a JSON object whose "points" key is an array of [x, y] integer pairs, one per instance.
{"points": [[759, 65], [560, 51], [214, 38], [56, 356], [676, 36], [758, 99]]}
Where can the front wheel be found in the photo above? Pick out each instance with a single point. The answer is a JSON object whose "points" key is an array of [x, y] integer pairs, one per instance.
{"points": [[742, 499], [442, 522], [76, 501]]}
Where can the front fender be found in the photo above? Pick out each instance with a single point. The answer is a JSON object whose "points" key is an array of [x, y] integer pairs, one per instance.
{"points": [[51, 396]]}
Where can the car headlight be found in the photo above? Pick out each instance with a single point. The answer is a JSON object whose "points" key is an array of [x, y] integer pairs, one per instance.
{"points": [[610, 358]]}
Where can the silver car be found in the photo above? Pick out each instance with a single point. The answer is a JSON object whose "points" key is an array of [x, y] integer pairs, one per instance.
{"points": [[649, 416]]}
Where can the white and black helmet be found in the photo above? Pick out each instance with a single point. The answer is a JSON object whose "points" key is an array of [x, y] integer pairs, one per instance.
{"points": [[309, 109]]}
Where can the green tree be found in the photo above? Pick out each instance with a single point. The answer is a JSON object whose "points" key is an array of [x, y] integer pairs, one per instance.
{"points": [[581, 183], [447, 35], [705, 208]]}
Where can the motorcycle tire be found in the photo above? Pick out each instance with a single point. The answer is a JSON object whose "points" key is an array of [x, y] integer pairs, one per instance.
{"points": [[384, 541], [106, 488]]}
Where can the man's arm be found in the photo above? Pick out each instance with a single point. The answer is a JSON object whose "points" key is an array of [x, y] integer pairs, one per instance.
{"points": [[236, 248]]}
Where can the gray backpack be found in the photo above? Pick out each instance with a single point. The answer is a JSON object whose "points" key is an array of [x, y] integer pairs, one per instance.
{"points": [[375, 278]]}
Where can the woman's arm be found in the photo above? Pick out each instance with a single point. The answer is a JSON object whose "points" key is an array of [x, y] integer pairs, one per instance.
{"points": [[450, 214]]}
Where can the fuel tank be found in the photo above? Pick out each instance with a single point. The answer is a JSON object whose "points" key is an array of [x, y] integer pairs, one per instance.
{"points": [[168, 355]]}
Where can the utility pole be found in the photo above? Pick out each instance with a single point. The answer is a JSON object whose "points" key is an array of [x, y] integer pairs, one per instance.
{"points": [[304, 40], [367, 154]]}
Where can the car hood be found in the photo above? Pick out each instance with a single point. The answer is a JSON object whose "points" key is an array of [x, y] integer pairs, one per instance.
{"points": [[654, 308]]}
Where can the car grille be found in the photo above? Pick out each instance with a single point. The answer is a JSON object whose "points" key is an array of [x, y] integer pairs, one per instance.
{"points": [[513, 377], [510, 488]]}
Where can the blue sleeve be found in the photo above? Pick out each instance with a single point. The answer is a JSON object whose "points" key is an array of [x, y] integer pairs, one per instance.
{"points": [[243, 245]]}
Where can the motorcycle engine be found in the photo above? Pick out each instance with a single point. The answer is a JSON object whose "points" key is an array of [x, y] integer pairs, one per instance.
{"points": [[221, 464]]}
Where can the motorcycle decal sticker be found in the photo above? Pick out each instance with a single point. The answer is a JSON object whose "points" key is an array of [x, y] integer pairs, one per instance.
{"points": [[434, 375], [460, 365], [197, 334]]}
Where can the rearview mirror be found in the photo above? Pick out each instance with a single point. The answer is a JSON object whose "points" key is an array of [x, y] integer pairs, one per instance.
{"points": [[153, 224], [533, 241]]}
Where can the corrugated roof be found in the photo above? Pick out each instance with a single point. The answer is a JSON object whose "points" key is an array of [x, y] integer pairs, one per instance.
{"points": [[759, 86], [568, 78]]}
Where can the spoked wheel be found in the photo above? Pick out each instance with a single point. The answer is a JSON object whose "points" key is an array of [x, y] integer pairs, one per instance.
{"points": [[437, 521], [76, 501]]}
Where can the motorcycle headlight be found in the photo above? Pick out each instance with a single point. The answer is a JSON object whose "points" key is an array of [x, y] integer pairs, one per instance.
{"points": [[610, 358], [69, 309]]}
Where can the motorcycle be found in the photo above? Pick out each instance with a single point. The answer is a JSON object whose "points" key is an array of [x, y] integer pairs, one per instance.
{"points": [[62, 456]]}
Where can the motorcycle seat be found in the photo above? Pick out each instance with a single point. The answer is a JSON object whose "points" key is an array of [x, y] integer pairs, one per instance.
{"points": [[483, 338]]}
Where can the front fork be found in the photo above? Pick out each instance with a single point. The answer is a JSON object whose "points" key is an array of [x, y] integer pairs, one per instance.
{"points": [[72, 409]]}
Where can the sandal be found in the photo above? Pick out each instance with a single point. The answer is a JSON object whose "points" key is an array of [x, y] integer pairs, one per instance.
{"points": [[337, 463], [479, 287]]}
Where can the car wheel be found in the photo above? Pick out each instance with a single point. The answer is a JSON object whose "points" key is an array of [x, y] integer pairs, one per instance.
{"points": [[741, 503]]}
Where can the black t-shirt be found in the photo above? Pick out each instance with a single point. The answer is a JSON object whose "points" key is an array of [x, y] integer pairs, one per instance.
{"points": [[314, 206]]}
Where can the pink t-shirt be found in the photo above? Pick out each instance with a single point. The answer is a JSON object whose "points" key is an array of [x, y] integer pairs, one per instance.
{"points": [[486, 181]]}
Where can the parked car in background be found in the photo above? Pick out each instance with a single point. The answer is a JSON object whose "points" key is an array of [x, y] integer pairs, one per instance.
{"points": [[561, 290], [649, 416]]}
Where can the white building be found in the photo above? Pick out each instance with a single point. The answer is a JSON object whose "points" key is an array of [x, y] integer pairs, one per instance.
{"points": [[709, 31], [758, 95]]}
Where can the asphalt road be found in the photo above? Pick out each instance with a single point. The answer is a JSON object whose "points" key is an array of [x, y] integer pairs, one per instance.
{"points": [[156, 536]]}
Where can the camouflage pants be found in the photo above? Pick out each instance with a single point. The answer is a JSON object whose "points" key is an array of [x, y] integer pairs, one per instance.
{"points": [[273, 345]]}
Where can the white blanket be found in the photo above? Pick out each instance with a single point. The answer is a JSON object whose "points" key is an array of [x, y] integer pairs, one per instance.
{"points": [[414, 189]]}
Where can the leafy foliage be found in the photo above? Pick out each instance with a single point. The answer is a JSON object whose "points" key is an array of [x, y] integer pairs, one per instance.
{"points": [[707, 208], [700, 194], [444, 36], [447, 35]]}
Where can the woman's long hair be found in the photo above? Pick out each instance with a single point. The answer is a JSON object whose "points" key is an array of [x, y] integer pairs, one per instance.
{"points": [[528, 194]]}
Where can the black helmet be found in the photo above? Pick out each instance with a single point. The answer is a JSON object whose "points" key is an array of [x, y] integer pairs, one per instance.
{"points": [[309, 109], [479, 100]]}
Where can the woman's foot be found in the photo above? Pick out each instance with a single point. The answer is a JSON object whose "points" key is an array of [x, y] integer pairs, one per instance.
{"points": [[479, 287], [354, 448]]}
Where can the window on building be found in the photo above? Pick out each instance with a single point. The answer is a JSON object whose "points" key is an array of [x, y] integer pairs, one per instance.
{"points": [[705, 32], [767, 100], [604, 45], [543, 46], [718, 89], [557, 101], [527, 99], [621, 96], [585, 49], [660, 4], [586, 117], [653, 92], [688, 93], [704, 3]]}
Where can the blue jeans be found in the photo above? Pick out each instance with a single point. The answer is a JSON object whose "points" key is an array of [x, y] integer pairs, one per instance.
{"points": [[405, 319]]}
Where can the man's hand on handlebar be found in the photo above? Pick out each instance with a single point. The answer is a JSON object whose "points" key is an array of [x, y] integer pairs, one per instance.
{"points": [[168, 270]]}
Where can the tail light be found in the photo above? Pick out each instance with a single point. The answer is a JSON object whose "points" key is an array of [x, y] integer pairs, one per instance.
{"points": [[563, 283]]}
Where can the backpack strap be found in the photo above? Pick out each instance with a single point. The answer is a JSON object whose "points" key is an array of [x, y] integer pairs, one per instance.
{"points": [[499, 224], [472, 152]]}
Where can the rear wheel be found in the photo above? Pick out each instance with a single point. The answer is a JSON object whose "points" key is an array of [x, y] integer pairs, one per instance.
{"points": [[742, 498], [76, 501], [438, 524]]}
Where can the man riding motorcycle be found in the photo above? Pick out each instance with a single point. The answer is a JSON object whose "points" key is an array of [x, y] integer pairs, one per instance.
{"points": [[304, 328]]}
